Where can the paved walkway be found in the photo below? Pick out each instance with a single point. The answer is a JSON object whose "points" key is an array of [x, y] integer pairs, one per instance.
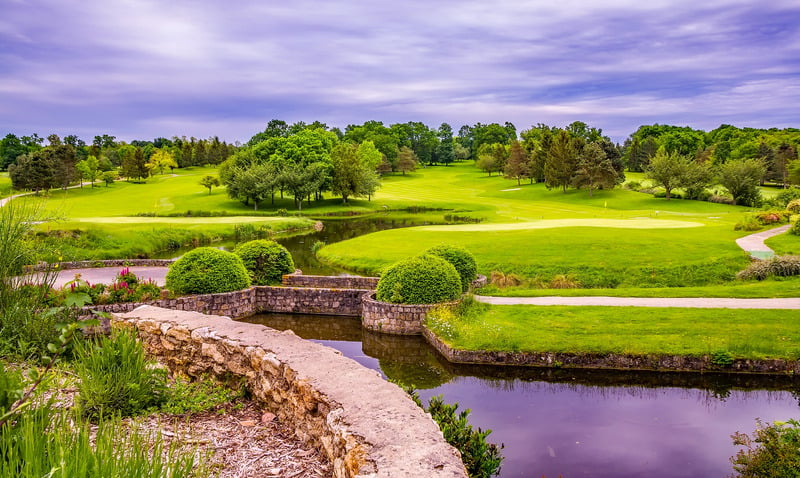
{"points": [[105, 275], [693, 302], [754, 243]]}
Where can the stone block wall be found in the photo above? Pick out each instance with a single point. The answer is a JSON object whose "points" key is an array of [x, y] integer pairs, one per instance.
{"points": [[366, 426], [297, 300], [400, 319], [104, 263], [330, 282]]}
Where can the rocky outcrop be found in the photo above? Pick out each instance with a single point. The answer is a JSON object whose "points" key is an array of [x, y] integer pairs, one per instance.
{"points": [[366, 426]]}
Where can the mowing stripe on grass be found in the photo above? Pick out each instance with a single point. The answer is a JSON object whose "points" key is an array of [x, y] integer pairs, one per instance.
{"points": [[178, 220], [640, 223]]}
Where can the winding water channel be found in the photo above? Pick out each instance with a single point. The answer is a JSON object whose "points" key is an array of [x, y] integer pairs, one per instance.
{"points": [[574, 423]]}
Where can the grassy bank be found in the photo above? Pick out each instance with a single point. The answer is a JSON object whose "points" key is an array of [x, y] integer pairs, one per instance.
{"points": [[748, 334], [5, 185], [736, 289], [784, 244], [143, 237]]}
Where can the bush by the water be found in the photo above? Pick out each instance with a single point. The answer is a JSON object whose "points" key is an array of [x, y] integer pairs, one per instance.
{"points": [[462, 260], [207, 270], [267, 261], [116, 378], [780, 266], [773, 451], [423, 279]]}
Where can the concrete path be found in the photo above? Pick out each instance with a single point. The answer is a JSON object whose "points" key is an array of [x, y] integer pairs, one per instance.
{"points": [[105, 275], [693, 302], [754, 243]]}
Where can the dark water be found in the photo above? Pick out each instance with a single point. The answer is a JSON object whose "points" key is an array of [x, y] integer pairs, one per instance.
{"points": [[335, 230], [575, 423]]}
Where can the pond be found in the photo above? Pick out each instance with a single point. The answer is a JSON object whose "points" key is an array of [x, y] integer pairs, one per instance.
{"points": [[570, 423], [333, 230]]}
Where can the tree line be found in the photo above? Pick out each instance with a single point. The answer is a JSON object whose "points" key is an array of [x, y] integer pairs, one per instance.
{"points": [[32, 165]]}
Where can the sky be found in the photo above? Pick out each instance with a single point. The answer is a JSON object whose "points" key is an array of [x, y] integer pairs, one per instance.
{"points": [[140, 69]]}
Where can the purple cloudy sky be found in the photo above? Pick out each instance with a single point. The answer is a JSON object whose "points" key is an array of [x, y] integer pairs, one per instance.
{"points": [[139, 69]]}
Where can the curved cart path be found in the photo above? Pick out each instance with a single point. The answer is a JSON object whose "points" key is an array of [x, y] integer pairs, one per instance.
{"points": [[754, 243], [692, 302]]}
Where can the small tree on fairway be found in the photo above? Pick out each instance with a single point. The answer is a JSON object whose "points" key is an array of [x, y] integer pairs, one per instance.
{"points": [[209, 182], [89, 169], [517, 164], [594, 169], [406, 160], [108, 177], [667, 170], [741, 178]]}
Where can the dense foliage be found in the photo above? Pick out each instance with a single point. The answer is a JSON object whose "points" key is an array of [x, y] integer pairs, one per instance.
{"points": [[267, 261], [779, 266], [423, 279], [462, 260], [774, 450], [207, 270], [116, 378]]}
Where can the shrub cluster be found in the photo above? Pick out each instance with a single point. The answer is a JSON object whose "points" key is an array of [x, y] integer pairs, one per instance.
{"points": [[462, 260], [774, 450], [424, 279], [207, 270], [266, 261], [781, 266]]}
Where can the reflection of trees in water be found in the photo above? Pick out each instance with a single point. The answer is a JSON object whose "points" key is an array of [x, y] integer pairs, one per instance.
{"points": [[710, 390]]}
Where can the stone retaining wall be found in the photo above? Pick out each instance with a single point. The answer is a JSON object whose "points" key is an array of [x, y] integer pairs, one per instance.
{"points": [[331, 282], [678, 363], [400, 319], [105, 263], [366, 426]]}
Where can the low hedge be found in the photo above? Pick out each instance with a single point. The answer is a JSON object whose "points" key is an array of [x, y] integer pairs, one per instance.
{"points": [[780, 266], [462, 260], [424, 279], [266, 261], [207, 270]]}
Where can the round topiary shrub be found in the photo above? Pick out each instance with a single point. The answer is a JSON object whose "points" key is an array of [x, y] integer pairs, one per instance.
{"points": [[424, 279], [207, 270], [267, 261], [462, 260]]}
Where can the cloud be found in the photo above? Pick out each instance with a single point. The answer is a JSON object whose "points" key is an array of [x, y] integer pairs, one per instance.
{"points": [[69, 64]]}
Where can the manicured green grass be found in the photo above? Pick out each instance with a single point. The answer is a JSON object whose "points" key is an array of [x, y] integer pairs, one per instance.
{"points": [[738, 289], [5, 185], [784, 244], [753, 334]]}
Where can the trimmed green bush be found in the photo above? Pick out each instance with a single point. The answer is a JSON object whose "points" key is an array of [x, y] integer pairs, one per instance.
{"points": [[424, 279], [207, 270], [462, 260], [267, 261], [781, 266]]}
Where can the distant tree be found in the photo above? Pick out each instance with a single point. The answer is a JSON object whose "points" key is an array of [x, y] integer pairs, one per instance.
{"points": [[667, 170], [209, 182], [134, 167], [741, 177], [89, 169], [784, 154], [560, 162], [369, 156], [445, 151], [346, 171], [275, 129], [35, 171], [253, 183], [697, 176], [614, 154], [794, 171], [108, 177], [11, 148], [461, 153], [65, 162], [406, 160], [517, 166], [161, 159], [54, 140], [594, 169], [385, 167], [491, 158]]}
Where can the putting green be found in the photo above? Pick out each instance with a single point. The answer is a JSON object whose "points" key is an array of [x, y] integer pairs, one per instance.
{"points": [[642, 223], [178, 220]]}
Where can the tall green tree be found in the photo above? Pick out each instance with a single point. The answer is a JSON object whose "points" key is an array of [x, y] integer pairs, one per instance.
{"points": [[517, 166], [741, 177], [406, 160], [89, 169], [667, 169], [561, 161], [594, 169], [134, 166], [346, 171], [445, 151]]}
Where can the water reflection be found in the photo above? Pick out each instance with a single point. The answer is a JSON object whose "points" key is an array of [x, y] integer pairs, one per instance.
{"points": [[575, 422]]}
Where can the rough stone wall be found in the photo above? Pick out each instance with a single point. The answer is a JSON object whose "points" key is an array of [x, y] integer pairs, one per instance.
{"points": [[297, 300], [105, 263], [366, 426], [331, 282], [401, 319], [259, 299]]}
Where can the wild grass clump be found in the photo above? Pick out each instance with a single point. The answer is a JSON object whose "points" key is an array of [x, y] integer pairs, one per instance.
{"points": [[748, 223], [115, 377], [185, 397], [423, 279], [207, 270], [266, 261], [778, 266]]}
